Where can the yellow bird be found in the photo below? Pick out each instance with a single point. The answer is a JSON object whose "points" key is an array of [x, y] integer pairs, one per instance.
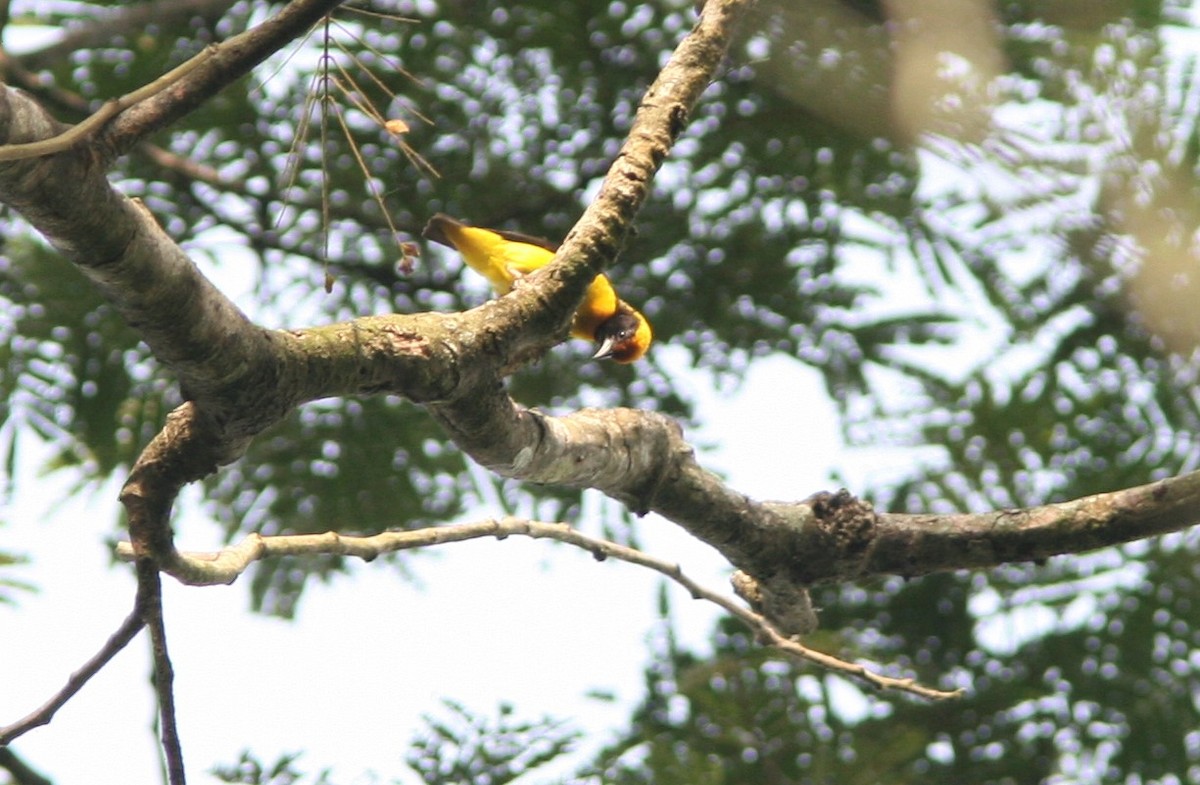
{"points": [[502, 257]]}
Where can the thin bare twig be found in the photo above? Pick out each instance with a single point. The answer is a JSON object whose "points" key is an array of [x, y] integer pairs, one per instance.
{"points": [[196, 79], [118, 640], [80, 131], [234, 58], [74, 103], [227, 564]]}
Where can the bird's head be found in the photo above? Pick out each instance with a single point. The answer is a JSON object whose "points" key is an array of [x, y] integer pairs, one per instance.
{"points": [[624, 337]]}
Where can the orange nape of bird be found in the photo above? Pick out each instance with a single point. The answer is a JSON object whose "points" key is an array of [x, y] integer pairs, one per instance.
{"points": [[619, 330]]}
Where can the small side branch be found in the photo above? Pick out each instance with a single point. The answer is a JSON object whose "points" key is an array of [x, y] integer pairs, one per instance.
{"points": [[232, 60], [147, 611], [225, 566], [181, 90], [20, 772], [81, 131], [118, 640]]}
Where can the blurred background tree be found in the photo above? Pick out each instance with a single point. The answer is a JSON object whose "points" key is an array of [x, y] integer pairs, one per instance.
{"points": [[977, 221]]}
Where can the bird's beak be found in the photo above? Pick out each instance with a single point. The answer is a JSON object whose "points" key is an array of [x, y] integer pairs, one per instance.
{"points": [[606, 348]]}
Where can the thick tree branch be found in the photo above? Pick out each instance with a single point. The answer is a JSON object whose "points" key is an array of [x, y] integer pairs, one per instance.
{"points": [[596, 239], [919, 544], [240, 378], [641, 459]]}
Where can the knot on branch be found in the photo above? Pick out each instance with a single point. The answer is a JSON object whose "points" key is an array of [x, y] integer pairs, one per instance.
{"points": [[826, 538], [841, 529]]}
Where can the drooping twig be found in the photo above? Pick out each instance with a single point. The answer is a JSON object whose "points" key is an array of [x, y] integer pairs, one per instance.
{"points": [[150, 587], [227, 564]]}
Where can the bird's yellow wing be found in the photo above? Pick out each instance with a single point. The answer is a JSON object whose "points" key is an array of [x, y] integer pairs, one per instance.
{"points": [[502, 257]]}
